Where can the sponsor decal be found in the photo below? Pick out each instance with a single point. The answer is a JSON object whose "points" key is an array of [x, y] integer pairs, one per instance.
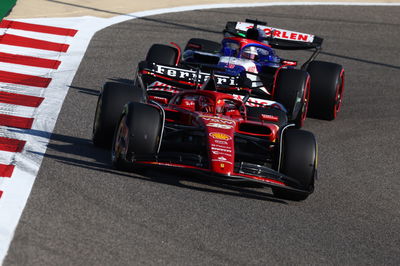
{"points": [[220, 146], [221, 142], [278, 33], [221, 153], [230, 65], [218, 120], [252, 69], [190, 75], [221, 149], [217, 125], [221, 136], [160, 86], [269, 118]]}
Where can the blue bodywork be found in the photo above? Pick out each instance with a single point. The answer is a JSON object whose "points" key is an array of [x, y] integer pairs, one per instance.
{"points": [[232, 56]]}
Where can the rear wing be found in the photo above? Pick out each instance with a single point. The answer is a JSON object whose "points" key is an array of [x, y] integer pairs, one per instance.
{"points": [[277, 38], [185, 77]]}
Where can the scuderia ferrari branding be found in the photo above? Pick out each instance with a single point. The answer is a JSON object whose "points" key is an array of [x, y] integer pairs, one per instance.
{"points": [[193, 76]]}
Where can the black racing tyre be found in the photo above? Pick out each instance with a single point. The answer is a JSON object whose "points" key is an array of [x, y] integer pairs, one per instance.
{"points": [[162, 54], [203, 45], [291, 89], [109, 107], [298, 161], [327, 86], [138, 133], [253, 113]]}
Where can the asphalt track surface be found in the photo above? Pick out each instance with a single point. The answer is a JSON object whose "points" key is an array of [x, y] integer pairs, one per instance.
{"points": [[81, 212]]}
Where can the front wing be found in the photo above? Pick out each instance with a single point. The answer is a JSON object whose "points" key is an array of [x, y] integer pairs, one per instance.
{"points": [[197, 165]]}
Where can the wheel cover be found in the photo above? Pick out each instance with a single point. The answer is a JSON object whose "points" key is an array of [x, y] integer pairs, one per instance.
{"points": [[306, 98], [120, 144], [339, 94], [96, 121]]}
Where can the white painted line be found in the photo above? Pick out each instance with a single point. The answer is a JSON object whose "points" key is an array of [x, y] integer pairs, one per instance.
{"points": [[11, 49], [39, 36], [6, 158], [11, 109], [27, 70], [15, 88]]}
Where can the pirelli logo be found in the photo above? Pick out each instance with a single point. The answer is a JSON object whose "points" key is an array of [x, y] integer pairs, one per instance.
{"points": [[193, 76]]}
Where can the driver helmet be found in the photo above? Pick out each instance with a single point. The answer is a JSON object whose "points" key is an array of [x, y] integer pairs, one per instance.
{"points": [[250, 53], [220, 106]]}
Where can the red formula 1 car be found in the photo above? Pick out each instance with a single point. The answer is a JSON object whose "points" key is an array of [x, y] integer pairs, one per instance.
{"points": [[162, 75], [208, 132]]}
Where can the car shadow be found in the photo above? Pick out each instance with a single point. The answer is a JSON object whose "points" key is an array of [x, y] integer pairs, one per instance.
{"points": [[243, 12], [80, 152]]}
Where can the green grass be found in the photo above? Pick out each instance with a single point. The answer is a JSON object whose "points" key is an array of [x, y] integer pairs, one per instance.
{"points": [[5, 7]]}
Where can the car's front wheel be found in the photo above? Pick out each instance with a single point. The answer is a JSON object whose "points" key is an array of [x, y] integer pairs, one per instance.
{"points": [[111, 100], [138, 133], [299, 161]]}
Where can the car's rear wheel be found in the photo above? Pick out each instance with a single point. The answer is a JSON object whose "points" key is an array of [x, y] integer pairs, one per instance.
{"points": [[298, 161], [203, 45], [291, 89], [162, 54], [327, 86], [138, 133], [202, 51], [109, 108]]}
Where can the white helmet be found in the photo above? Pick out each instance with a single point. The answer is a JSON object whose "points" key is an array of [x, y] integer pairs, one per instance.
{"points": [[250, 53]]}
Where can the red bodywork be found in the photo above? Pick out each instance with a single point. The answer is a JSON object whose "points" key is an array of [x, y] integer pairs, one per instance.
{"points": [[223, 117]]}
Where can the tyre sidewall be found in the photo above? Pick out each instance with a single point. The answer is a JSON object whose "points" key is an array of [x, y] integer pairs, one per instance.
{"points": [[290, 90], [109, 107], [144, 123], [325, 79], [299, 157], [162, 54]]}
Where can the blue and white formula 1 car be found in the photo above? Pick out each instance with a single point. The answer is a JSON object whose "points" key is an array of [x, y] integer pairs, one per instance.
{"points": [[249, 47]]}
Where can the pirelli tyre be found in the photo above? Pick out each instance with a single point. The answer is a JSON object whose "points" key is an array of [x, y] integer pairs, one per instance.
{"points": [[298, 160], [327, 86], [203, 45], [109, 107], [138, 133], [163, 54], [291, 89]]}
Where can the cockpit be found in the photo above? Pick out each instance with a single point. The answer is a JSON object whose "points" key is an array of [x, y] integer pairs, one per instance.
{"points": [[240, 48], [210, 105], [255, 53]]}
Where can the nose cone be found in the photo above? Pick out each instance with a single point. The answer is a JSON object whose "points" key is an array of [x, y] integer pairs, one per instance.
{"points": [[221, 144]]}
